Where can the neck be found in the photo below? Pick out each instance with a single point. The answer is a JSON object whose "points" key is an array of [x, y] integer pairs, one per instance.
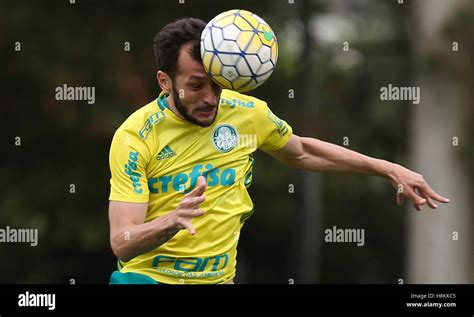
{"points": [[172, 106]]}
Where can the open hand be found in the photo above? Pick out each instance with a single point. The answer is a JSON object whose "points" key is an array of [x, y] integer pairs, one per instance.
{"points": [[188, 208], [413, 186]]}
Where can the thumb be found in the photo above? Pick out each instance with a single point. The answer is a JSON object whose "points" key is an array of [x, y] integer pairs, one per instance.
{"points": [[190, 228]]}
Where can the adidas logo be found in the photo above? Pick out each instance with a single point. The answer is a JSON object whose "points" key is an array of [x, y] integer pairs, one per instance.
{"points": [[167, 152]]}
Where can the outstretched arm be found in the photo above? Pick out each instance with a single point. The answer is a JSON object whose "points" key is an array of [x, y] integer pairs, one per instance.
{"points": [[315, 155]]}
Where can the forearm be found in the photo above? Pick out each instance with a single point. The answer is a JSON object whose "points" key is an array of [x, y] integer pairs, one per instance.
{"points": [[316, 155], [133, 240], [324, 156]]}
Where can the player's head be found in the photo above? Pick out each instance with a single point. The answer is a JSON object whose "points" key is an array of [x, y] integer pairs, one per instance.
{"points": [[181, 73]]}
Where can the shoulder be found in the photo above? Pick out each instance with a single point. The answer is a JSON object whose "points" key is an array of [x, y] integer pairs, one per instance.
{"points": [[235, 100], [140, 123], [248, 108], [134, 134]]}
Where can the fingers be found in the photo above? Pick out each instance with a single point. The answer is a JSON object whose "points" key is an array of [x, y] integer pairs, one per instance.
{"points": [[413, 186], [428, 200], [417, 200], [431, 193], [189, 226], [417, 207], [194, 198], [188, 208], [190, 213], [418, 197], [199, 189], [185, 216], [413, 196], [192, 203]]}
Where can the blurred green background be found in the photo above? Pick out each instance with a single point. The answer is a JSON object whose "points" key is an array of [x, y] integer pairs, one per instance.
{"points": [[336, 97]]}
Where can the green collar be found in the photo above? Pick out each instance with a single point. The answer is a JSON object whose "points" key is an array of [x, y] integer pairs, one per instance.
{"points": [[162, 102]]}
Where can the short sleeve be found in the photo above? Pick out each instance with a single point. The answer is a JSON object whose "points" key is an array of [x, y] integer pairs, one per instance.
{"points": [[272, 132], [128, 161]]}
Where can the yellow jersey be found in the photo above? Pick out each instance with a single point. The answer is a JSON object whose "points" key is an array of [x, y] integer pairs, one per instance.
{"points": [[156, 157]]}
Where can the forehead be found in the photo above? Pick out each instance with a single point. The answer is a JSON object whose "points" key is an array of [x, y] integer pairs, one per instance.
{"points": [[187, 66]]}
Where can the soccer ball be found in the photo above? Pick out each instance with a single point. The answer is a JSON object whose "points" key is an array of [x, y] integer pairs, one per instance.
{"points": [[239, 50]]}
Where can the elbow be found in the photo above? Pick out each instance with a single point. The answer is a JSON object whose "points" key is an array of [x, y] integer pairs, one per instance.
{"points": [[301, 161], [303, 155], [119, 250], [116, 249]]}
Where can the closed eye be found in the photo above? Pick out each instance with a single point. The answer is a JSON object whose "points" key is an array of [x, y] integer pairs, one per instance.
{"points": [[195, 86]]}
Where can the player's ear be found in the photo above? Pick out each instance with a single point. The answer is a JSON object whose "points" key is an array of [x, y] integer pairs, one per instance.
{"points": [[164, 81]]}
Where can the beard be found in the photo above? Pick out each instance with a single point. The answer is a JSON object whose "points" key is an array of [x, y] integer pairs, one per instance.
{"points": [[184, 111]]}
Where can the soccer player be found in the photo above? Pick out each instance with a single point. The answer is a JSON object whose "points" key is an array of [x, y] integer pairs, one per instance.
{"points": [[180, 170]]}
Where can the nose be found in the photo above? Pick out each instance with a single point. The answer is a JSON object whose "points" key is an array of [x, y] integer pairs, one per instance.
{"points": [[211, 96]]}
